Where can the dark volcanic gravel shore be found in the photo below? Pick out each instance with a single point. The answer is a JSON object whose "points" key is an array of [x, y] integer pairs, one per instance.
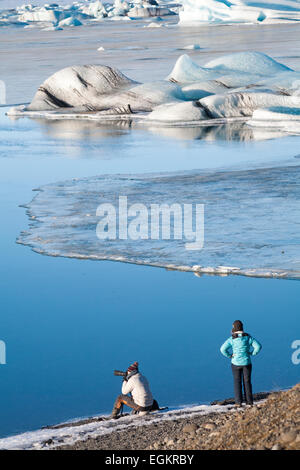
{"points": [[271, 424]]}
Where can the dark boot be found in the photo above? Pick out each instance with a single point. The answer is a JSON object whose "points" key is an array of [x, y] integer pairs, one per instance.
{"points": [[115, 413], [117, 408]]}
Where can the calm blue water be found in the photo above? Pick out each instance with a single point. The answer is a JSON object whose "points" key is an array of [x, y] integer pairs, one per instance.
{"points": [[67, 323]]}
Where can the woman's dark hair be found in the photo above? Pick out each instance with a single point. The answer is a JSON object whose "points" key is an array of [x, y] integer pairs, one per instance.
{"points": [[237, 326]]}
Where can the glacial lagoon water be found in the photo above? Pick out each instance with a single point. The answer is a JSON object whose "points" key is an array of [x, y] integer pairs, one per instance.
{"points": [[68, 323]]}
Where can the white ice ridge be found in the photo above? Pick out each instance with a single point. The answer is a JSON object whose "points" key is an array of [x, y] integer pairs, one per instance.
{"points": [[239, 11], [234, 86], [68, 435], [251, 230], [57, 16]]}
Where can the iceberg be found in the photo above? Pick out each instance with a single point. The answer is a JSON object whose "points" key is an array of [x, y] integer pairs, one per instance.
{"points": [[95, 9], [251, 230], [284, 118], [178, 112], [230, 87], [69, 22], [287, 83], [238, 11], [97, 88], [148, 11], [277, 113], [84, 12], [239, 104], [192, 47], [191, 12], [187, 71], [198, 90], [80, 86], [248, 62]]}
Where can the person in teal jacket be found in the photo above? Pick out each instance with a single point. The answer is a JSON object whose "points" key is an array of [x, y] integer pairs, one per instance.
{"points": [[239, 348]]}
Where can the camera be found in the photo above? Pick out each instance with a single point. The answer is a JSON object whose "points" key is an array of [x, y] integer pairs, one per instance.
{"points": [[120, 373]]}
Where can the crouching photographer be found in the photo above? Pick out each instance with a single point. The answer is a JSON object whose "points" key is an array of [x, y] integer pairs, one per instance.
{"points": [[136, 393]]}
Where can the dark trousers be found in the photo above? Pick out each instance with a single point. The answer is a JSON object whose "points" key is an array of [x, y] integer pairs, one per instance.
{"points": [[242, 374], [127, 400]]}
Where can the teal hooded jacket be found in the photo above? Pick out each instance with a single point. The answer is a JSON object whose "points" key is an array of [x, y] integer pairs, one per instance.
{"points": [[240, 349]]}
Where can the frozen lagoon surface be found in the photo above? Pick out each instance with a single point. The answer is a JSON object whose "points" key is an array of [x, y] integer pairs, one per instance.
{"points": [[68, 323], [250, 226]]}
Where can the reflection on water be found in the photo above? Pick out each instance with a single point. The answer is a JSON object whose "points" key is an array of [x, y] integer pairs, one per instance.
{"points": [[130, 146], [237, 131], [76, 129], [84, 130]]}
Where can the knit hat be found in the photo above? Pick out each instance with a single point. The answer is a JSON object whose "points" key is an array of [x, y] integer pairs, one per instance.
{"points": [[237, 326], [133, 367]]}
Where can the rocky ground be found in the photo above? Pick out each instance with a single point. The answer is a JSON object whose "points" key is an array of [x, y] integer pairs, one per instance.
{"points": [[270, 424]]}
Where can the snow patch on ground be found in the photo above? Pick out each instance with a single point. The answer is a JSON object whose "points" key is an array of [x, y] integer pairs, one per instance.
{"points": [[49, 438]]}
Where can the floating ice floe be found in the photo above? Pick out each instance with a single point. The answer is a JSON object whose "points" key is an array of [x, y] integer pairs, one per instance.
{"points": [[153, 25], [192, 47], [251, 230], [69, 22], [84, 87], [51, 28], [230, 87], [238, 11], [98, 88]]}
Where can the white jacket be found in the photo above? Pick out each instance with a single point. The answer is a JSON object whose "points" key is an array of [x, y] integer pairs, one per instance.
{"points": [[139, 388]]}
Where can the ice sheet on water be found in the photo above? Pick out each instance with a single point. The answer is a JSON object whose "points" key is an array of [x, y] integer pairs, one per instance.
{"points": [[251, 220]]}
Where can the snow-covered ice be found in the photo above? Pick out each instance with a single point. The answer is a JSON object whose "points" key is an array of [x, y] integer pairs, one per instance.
{"points": [[238, 11]]}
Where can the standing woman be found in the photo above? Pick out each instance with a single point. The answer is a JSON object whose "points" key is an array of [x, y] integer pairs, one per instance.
{"points": [[240, 347]]}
